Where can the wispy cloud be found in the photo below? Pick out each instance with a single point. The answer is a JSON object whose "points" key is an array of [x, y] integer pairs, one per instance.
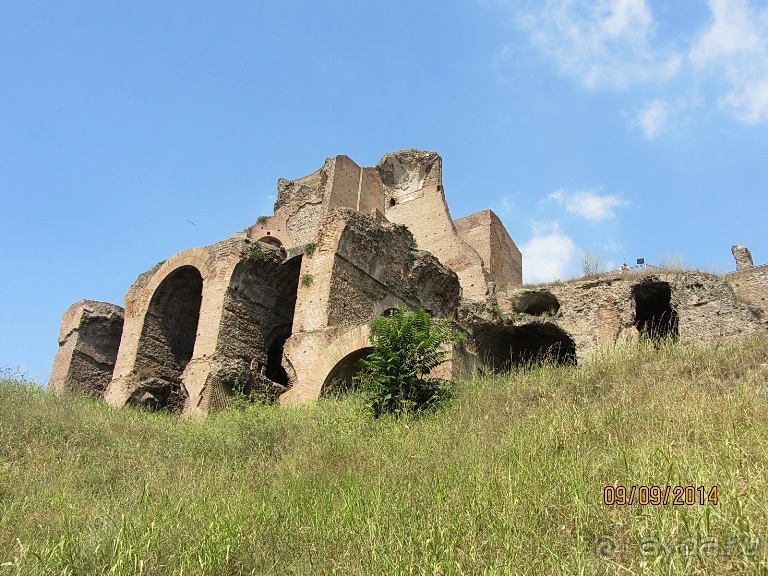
{"points": [[603, 43], [549, 254], [735, 44], [653, 118], [589, 205], [615, 44]]}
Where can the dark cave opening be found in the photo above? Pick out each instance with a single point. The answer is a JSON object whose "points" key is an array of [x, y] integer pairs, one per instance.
{"points": [[654, 316]]}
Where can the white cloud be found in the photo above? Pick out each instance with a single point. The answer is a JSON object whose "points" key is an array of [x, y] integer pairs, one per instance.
{"points": [[735, 44], [614, 44], [588, 205], [549, 254], [653, 118], [603, 42]]}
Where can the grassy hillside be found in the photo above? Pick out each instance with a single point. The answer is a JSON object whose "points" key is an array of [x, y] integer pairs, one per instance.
{"points": [[508, 479]]}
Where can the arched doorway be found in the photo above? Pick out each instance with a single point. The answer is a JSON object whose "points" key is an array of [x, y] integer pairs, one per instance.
{"points": [[339, 379], [167, 340]]}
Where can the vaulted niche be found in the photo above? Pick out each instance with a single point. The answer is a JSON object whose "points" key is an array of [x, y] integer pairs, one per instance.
{"points": [[256, 322], [654, 316], [502, 349], [339, 379], [537, 303], [168, 340]]}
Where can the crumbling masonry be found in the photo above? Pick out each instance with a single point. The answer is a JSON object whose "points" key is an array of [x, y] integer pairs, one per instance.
{"points": [[281, 310]]}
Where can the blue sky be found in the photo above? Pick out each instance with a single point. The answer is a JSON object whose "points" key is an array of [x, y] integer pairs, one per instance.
{"points": [[627, 128]]}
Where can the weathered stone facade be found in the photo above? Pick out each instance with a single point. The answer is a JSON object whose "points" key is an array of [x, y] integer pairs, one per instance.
{"points": [[88, 341], [282, 309]]}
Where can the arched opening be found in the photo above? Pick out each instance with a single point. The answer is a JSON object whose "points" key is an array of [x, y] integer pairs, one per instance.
{"points": [[654, 316], [339, 379], [271, 240], [168, 340], [392, 202], [256, 323], [538, 303], [505, 349]]}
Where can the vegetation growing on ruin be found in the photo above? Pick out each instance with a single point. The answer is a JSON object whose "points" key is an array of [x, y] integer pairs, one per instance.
{"points": [[508, 478], [307, 279], [407, 346], [257, 254]]}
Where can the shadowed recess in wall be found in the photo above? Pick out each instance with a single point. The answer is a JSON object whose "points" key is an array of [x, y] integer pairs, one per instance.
{"points": [[339, 379], [168, 340], [256, 322], [654, 316], [538, 303], [501, 349]]}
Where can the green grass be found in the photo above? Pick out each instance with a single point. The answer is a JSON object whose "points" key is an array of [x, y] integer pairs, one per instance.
{"points": [[507, 479]]}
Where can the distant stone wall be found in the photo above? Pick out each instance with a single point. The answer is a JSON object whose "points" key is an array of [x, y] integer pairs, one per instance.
{"points": [[487, 235], [592, 313], [88, 342], [407, 188], [751, 286]]}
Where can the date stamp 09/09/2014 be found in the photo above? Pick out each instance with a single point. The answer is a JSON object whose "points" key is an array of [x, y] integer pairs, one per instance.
{"points": [[620, 495]]}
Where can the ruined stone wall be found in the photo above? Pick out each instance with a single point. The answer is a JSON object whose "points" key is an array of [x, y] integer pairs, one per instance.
{"points": [[751, 286], [601, 311], [413, 185], [88, 342], [487, 235], [407, 187], [164, 318], [361, 266]]}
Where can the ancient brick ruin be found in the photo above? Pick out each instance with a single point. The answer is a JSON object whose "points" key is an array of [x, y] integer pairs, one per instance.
{"points": [[281, 310]]}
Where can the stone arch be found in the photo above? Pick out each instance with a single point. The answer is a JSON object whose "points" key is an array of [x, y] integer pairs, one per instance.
{"points": [[504, 348], [655, 317], [198, 258], [271, 240], [339, 379], [167, 339], [256, 319], [338, 351]]}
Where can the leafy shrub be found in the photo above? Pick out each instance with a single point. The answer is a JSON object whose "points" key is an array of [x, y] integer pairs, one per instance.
{"points": [[309, 248], [407, 346], [262, 219]]}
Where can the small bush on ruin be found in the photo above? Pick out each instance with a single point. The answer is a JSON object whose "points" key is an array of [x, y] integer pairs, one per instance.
{"points": [[262, 219], [592, 263], [257, 254], [407, 346], [309, 248], [307, 279]]}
